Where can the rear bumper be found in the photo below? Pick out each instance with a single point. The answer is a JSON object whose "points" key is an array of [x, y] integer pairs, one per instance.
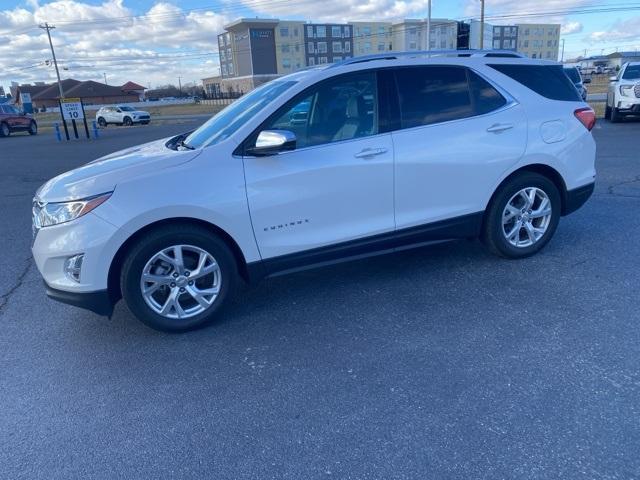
{"points": [[577, 197], [98, 302]]}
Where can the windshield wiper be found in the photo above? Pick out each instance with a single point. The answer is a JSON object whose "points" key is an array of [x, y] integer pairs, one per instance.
{"points": [[185, 145]]}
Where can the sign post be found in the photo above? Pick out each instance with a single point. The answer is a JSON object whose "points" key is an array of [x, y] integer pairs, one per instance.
{"points": [[73, 110]]}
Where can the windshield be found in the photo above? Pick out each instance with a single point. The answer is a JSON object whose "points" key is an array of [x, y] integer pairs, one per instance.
{"points": [[228, 121], [573, 75], [126, 109], [632, 72]]}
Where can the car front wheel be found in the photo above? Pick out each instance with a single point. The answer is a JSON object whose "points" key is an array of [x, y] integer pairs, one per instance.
{"points": [[102, 122], [615, 115], [523, 216], [127, 121], [33, 128], [177, 277]]}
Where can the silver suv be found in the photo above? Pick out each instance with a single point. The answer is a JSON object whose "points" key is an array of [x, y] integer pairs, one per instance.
{"points": [[623, 97], [121, 115]]}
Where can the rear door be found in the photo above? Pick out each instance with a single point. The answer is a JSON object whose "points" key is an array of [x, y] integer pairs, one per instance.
{"points": [[458, 134]]}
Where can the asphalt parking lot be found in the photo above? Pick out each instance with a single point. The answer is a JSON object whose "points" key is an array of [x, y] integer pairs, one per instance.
{"points": [[440, 362]]}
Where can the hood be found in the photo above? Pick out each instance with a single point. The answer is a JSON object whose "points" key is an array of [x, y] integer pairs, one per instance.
{"points": [[102, 175]]}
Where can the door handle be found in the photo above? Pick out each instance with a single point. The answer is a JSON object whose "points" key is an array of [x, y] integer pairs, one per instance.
{"points": [[370, 152], [499, 127]]}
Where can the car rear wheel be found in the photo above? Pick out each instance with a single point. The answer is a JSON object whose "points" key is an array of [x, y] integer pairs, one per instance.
{"points": [[127, 121], [177, 277], [33, 128], [607, 112], [523, 216], [102, 122], [5, 131]]}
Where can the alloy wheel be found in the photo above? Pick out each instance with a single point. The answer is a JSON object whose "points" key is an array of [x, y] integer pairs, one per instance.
{"points": [[526, 217], [180, 281]]}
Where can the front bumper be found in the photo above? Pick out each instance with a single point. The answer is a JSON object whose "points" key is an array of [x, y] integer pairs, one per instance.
{"points": [[98, 302], [577, 197]]}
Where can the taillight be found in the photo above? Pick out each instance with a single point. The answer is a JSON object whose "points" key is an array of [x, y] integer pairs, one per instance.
{"points": [[586, 116]]}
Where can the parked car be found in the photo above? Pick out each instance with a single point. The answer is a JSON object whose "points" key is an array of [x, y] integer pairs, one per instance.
{"points": [[396, 151], [121, 115], [12, 120], [574, 75], [623, 96]]}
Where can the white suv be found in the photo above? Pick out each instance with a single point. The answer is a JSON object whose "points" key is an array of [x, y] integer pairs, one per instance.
{"points": [[623, 97], [121, 115], [394, 151]]}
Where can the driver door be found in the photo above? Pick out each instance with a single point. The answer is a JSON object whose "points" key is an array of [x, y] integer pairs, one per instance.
{"points": [[337, 184]]}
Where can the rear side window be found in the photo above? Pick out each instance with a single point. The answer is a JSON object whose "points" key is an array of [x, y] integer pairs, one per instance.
{"points": [[432, 94], [546, 80], [485, 97]]}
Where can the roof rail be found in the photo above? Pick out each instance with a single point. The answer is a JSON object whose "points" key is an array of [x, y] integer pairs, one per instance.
{"points": [[428, 53]]}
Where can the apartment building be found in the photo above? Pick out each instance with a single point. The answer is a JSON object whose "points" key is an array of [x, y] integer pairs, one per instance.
{"points": [[290, 46], [411, 34], [327, 42], [537, 40], [475, 32], [505, 37], [248, 53], [372, 37]]}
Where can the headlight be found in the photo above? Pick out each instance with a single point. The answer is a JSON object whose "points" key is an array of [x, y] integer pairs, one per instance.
{"points": [[47, 214], [626, 90]]}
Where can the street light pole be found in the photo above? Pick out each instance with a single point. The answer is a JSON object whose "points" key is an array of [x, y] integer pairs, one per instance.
{"points": [[180, 85], [429, 25], [105, 78], [48, 28], [562, 56], [481, 24]]}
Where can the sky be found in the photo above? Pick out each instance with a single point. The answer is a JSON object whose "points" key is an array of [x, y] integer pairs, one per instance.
{"points": [[154, 42]]}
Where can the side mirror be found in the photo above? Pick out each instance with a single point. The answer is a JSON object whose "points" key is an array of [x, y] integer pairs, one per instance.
{"points": [[613, 79], [270, 142]]}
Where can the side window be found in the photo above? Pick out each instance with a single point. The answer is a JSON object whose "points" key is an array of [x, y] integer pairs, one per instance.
{"points": [[335, 110], [546, 80], [484, 96], [432, 94]]}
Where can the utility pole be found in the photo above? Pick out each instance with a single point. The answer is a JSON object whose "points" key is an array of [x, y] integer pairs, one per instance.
{"points": [[48, 28], [429, 25], [180, 85], [481, 24], [562, 56], [105, 78]]}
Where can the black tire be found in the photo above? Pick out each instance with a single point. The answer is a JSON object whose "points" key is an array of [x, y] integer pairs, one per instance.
{"points": [[127, 122], [492, 232], [145, 122], [102, 123], [33, 128], [615, 116], [164, 237], [607, 112], [5, 131]]}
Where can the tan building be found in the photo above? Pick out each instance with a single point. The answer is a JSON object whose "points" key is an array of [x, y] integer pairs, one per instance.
{"points": [[539, 40], [290, 46], [372, 37]]}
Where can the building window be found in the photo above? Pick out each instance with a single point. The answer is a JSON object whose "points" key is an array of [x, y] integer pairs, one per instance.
{"points": [[443, 44], [337, 59], [284, 48], [412, 45], [366, 31], [526, 31], [223, 69], [309, 31], [347, 46], [295, 31], [284, 31], [380, 30], [297, 47], [222, 56], [496, 43], [367, 47], [231, 69], [321, 31], [432, 44], [336, 32], [322, 47], [322, 60], [347, 31], [310, 47], [533, 55], [312, 61], [412, 31], [381, 47], [526, 44], [336, 47], [286, 63]]}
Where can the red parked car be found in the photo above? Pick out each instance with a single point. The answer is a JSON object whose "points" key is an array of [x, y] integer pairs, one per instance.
{"points": [[11, 120]]}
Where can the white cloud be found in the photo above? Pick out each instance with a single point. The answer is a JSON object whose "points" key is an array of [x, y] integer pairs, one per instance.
{"points": [[340, 10], [621, 31], [165, 43], [571, 27]]}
